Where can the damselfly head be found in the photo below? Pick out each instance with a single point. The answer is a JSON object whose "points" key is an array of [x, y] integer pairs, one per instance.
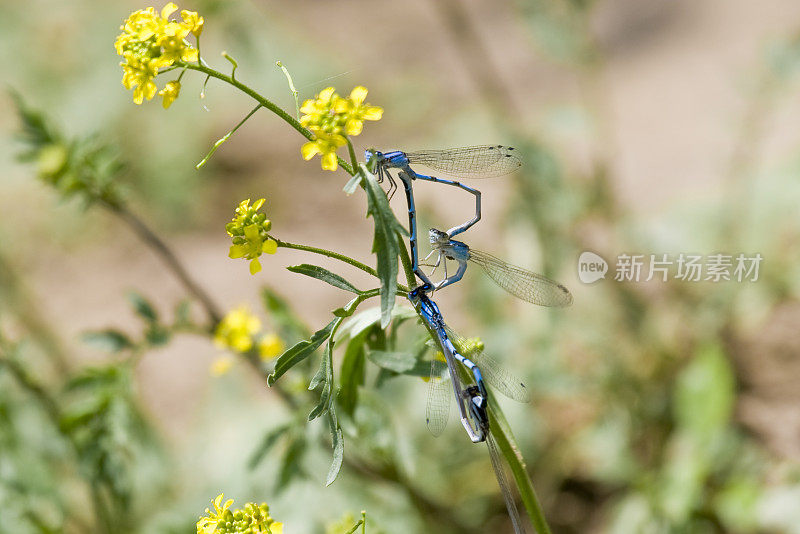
{"points": [[373, 158], [437, 237]]}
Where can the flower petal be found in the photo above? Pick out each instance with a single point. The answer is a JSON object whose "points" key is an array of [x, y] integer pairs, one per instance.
{"points": [[251, 232], [358, 94], [330, 162], [255, 266], [371, 113], [237, 251], [309, 150], [168, 10], [326, 94], [270, 246], [354, 127]]}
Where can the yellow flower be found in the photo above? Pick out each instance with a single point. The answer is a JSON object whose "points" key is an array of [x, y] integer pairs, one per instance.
{"points": [[237, 330], [270, 346], [170, 92], [320, 115], [356, 112], [325, 145], [330, 117], [221, 365], [138, 75], [252, 518], [209, 524], [173, 48], [193, 22], [151, 41], [249, 230]]}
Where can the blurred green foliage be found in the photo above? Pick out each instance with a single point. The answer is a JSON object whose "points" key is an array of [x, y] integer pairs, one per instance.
{"points": [[634, 424]]}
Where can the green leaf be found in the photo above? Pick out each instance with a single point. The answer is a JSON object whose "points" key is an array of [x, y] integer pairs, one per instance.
{"points": [[291, 462], [366, 318], [320, 376], [290, 327], [96, 377], [399, 362], [325, 377], [157, 335], [299, 352], [352, 184], [269, 441], [705, 394], [338, 446], [183, 313], [110, 340], [142, 307], [352, 374], [325, 275], [385, 243]]}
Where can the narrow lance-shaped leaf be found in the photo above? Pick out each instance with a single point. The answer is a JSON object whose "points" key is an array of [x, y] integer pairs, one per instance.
{"points": [[325, 377], [299, 352], [291, 464], [338, 446], [269, 441], [325, 275], [385, 242], [142, 307], [352, 184], [352, 374], [110, 340], [399, 362]]}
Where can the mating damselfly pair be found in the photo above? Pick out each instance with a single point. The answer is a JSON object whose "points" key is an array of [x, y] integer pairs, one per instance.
{"points": [[471, 162], [486, 161]]}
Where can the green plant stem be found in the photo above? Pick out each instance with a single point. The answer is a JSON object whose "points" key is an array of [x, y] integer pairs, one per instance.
{"points": [[501, 431], [294, 123], [295, 92], [226, 137], [168, 256], [329, 253], [405, 259], [351, 150]]}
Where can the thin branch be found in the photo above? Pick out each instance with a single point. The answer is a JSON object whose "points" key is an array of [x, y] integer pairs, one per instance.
{"points": [[168, 256], [329, 253], [305, 132]]}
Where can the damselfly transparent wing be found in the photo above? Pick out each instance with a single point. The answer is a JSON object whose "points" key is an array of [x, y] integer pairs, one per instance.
{"points": [[502, 481], [437, 410], [493, 372], [485, 161], [523, 284]]}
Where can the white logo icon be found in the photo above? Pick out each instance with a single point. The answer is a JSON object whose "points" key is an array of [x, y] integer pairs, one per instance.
{"points": [[591, 267]]}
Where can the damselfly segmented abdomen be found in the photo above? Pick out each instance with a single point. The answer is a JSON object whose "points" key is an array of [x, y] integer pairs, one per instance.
{"points": [[498, 377], [484, 161]]}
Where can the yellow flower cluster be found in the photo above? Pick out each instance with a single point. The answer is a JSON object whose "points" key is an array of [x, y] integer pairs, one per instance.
{"points": [[252, 519], [151, 41], [239, 331], [249, 232], [330, 117]]}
